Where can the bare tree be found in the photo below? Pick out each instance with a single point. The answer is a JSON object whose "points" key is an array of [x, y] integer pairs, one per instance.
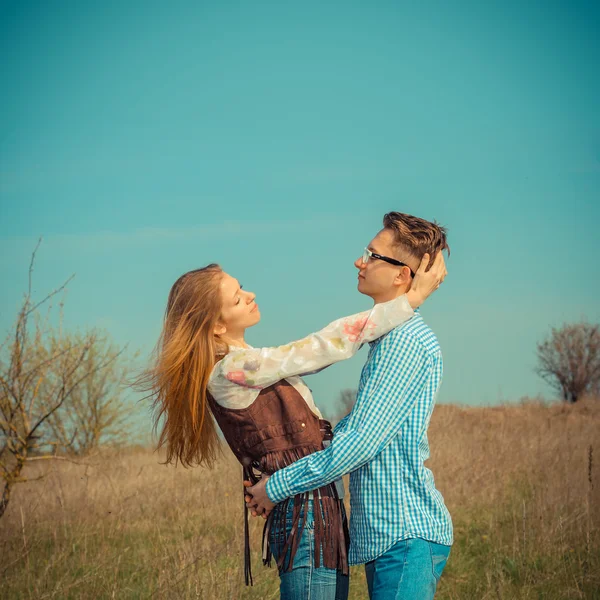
{"points": [[57, 392], [569, 360], [95, 412]]}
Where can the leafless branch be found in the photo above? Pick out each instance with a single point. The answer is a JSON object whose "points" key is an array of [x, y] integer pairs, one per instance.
{"points": [[58, 391], [569, 360]]}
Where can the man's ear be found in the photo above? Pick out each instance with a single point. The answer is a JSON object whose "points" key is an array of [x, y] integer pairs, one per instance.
{"points": [[403, 277], [219, 329]]}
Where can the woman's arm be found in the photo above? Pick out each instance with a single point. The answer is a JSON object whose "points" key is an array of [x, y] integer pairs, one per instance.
{"points": [[261, 367], [258, 368]]}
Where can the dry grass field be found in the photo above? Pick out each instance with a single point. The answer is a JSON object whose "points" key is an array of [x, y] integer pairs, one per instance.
{"points": [[522, 484]]}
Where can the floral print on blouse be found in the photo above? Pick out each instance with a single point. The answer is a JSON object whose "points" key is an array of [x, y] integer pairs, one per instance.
{"points": [[237, 379]]}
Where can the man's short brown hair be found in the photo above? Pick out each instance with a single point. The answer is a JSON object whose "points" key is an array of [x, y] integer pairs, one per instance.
{"points": [[416, 236]]}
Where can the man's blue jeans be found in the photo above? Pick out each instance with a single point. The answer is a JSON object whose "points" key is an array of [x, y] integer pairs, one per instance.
{"points": [[304, 581], [409, 570]]}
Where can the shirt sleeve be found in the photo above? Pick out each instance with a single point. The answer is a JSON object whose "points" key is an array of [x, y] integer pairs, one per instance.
{"points": [[341, 425], [401, 370], [258, 368]]}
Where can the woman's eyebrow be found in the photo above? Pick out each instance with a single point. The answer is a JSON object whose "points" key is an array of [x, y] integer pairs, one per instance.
{"points": [[236, 291]]}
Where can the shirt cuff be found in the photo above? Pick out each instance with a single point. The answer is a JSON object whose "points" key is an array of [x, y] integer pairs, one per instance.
{"points": [[277, 488]]}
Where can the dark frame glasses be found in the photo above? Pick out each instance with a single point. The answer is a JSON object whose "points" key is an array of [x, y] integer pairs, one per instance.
{"points": [[368, 254]]}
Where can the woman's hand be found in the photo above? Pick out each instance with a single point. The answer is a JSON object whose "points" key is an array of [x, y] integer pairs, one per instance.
{"points": [[426, 282]]}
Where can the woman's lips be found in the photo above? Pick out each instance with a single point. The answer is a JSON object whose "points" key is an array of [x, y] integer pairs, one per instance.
{"points": [[254, 308]]}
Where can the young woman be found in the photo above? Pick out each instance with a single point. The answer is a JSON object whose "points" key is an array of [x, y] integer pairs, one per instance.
{"points": [[205, 371]]}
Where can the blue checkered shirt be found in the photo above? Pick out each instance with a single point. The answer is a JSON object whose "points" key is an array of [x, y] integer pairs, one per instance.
{"points": [[383, 444]]}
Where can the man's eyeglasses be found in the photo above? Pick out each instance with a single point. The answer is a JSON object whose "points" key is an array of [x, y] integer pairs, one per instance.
{"points": [[367, 255]]}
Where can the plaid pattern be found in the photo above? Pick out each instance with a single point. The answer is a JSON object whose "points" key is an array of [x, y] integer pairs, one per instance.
{"points": [[383, 444]]}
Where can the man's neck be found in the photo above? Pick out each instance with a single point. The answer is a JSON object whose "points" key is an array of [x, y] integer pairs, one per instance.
{"points": [[389, 295]]}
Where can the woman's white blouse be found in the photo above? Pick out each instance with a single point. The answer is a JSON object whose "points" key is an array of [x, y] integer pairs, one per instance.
{"points": [[238, 378]]}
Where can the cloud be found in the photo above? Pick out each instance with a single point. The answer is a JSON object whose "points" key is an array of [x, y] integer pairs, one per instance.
{"points": [[97, 240]]}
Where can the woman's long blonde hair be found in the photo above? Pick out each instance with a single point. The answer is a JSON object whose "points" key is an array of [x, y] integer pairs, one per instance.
{"points": [[184, 357]]}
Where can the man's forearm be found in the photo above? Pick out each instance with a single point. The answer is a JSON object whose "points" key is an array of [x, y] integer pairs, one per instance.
{"points": [[317, 470], [347, 452]]}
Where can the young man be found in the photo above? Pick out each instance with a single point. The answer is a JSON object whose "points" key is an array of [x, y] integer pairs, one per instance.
{"points": [[399, 525]]}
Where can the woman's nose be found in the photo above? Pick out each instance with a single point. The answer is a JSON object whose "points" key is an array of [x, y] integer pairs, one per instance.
{"points": [[251, 296]]}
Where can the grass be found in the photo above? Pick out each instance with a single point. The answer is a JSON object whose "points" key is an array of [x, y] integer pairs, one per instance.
{"points": [[522, 487]]}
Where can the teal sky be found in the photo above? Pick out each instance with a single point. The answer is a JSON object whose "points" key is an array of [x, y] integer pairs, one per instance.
{"points": [[143, 139]]}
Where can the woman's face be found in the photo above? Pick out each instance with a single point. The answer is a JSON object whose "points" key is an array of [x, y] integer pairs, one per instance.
{"points": [[239, 310]]}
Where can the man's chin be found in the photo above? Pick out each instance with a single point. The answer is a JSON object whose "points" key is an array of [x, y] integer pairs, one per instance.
{"points": [[361, 288]]}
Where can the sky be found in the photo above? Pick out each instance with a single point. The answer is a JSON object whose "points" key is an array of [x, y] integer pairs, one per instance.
{"points": [[144, 139]]}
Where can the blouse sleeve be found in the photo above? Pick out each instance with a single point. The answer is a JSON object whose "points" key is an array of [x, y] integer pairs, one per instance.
{"points": [[258, 368]]}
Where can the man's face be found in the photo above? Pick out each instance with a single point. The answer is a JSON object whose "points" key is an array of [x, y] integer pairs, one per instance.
{"points": [[379, 279]]}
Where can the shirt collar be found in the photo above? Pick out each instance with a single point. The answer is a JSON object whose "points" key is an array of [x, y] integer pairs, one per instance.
{"points": [[378, 340]]}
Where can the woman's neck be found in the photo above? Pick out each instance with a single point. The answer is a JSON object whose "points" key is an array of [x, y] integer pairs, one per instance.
{"points": [[236, 339]]}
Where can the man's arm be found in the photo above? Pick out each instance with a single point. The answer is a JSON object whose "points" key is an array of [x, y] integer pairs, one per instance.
{"points": [[386, 400], [341, 426]]}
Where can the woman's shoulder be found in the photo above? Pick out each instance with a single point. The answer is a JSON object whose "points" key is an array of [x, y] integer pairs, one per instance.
{"points": [[229, 384], [234, 367]]}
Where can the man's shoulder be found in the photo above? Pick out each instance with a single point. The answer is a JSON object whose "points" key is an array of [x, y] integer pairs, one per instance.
{"points": [[414, 330]]}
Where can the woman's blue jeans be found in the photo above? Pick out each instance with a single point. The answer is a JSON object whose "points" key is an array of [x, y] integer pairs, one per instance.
{"points": [[410, 569], [304, 581]]}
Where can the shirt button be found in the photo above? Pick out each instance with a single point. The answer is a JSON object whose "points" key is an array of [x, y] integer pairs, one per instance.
{"points": [[303, 424]]}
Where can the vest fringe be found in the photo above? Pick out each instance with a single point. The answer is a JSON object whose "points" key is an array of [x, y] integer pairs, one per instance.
{"points": [[330, 550]]}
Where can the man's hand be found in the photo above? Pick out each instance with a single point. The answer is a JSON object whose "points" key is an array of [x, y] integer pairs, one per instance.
{"points": [[257, 499]]}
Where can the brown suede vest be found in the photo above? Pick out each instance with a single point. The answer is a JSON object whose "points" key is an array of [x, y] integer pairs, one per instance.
{"points": [[277, 429]]}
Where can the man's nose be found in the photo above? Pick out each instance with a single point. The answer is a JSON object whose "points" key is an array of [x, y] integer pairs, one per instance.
{"points": [[359, 264]]}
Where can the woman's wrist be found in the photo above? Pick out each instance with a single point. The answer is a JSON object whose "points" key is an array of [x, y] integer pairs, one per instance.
{"points": [[414, 298]]}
